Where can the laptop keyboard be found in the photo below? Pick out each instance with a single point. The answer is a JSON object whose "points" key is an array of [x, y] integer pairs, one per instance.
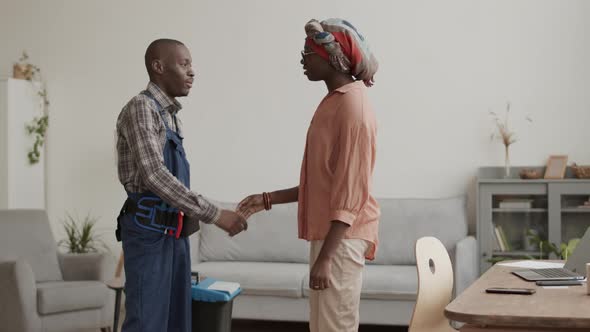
{"points": [[555, 273]]}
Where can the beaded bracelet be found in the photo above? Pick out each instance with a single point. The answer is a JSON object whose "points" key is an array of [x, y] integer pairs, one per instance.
{"points": [[267, 201]]}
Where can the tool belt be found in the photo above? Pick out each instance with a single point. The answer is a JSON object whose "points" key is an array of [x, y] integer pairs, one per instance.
{"points": [[153, 214]]}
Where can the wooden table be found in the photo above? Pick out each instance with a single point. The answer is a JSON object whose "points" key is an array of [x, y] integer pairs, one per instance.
{"points": [[557, 309]]}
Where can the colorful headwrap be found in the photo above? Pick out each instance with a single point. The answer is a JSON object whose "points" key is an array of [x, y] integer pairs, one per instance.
{"points": [[339, 42]]}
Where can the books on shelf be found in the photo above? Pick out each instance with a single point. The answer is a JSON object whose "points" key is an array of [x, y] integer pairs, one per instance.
{"points": [[501, 239], [585, 205], [516, 204], [498, 245]]}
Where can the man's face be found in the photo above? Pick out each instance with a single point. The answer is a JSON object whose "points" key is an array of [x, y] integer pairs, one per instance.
{"points": [[314, 66], [178, 75]]}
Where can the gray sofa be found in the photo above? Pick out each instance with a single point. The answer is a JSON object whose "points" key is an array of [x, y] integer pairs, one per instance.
{"points": [[41, 290], [271, 263]]}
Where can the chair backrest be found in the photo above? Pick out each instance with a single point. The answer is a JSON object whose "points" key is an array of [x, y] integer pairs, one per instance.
{"points": [[435, 286], [26, 235]]}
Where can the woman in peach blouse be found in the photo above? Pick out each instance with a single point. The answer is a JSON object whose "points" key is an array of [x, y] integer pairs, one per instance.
{"points": [[337, 212]]}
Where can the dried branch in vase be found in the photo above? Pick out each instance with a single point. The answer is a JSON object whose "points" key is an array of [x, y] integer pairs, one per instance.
{"points": [[504, 134]]}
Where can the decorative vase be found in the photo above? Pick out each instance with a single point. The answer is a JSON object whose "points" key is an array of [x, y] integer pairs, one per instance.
{"points": [[507, 162]]}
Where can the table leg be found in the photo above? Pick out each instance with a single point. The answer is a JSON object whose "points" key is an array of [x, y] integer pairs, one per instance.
{"points": [[117, 309]]}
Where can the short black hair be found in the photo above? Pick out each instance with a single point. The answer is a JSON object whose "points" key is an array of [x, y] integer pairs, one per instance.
{"points": [[154, 51]]}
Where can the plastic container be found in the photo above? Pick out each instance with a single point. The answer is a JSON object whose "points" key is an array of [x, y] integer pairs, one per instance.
{"points": [[211, 309]]}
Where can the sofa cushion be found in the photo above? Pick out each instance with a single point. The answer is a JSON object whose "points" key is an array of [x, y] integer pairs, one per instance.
{"points": [[54, 297], [271, 237], [19, 230], [382, 282], [397, 282], [258, 278], [403, 221]]}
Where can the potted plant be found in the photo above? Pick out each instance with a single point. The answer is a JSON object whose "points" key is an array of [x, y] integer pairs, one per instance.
{"points": [[38, 126], [23, 69], [81, 236], [87, 257], [563, 251]]}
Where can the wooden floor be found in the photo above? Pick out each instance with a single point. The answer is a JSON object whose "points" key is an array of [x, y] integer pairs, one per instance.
{"points": [[257, 326], [239, 325], [261, 326]]}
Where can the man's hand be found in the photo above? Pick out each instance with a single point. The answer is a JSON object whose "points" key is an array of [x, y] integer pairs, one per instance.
{"points": [[319, 277], [250, 205], [231, 222]]}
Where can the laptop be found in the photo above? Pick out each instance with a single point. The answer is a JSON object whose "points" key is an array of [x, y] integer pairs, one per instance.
{"points": [[574, 268]]}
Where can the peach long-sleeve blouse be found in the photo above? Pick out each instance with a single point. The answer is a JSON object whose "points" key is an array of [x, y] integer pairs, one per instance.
{"points": [[337, 168]]}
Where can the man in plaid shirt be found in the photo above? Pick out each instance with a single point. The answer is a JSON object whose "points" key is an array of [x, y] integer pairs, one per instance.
{"points": [[152, 163]]}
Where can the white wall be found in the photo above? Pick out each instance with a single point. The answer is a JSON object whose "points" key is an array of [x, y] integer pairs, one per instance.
{"points": [[444, 65]]}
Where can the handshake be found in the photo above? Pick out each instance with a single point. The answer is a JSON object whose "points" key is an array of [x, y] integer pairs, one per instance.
{"points": [[234, 222]]}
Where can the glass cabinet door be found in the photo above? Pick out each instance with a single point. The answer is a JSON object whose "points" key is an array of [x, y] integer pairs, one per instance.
{"points": [[513, 218], [519, 222], [570, 207]]}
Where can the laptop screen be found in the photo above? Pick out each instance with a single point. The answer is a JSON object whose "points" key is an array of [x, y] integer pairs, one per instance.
{"points": [[581, 255]]}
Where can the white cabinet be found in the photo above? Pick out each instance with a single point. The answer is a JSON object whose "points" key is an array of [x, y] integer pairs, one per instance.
{"points": [[22, 186]]}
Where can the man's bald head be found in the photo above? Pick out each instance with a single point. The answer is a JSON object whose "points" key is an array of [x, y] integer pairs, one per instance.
{"points": [[158, 50], [169, 65]]}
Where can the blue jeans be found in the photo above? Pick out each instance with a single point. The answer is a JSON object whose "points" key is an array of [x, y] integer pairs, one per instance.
{"points": [[157, 286]]}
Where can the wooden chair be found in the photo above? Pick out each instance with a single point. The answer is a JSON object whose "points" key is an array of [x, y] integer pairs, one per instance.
{"points": [[435, 287], [117, 284]]}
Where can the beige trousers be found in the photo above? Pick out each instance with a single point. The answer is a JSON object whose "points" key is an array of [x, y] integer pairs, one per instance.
{"points": [[336, 309]]}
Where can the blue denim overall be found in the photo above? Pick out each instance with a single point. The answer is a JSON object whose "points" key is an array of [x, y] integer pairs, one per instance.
{"points": [[157, 266]]}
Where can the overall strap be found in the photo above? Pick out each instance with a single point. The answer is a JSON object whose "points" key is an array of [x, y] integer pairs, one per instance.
{"points": [[160, 110]]}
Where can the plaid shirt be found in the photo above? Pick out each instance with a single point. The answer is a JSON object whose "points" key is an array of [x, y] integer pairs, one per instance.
{"points": [[141, 136]]}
